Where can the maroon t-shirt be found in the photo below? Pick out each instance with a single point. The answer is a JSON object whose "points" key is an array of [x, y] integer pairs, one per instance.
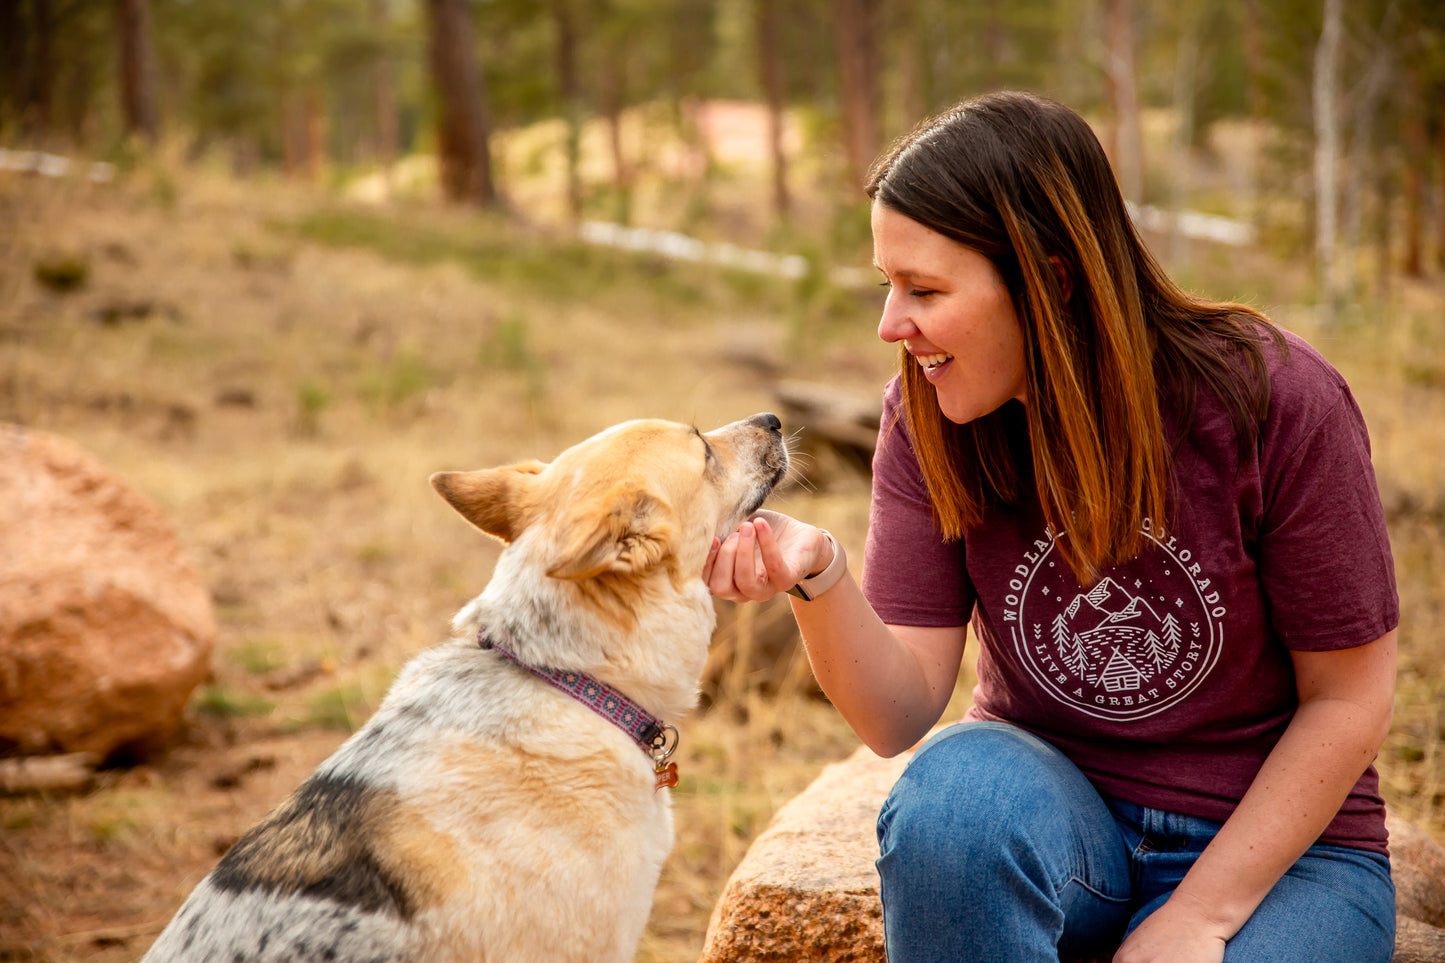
{"points": [[1169, 680]]}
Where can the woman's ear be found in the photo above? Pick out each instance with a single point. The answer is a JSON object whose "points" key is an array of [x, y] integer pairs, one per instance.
{"points": [[1066, 278]]}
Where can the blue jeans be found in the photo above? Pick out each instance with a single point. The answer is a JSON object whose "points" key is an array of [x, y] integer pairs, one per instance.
{"points": [[995, 847]]}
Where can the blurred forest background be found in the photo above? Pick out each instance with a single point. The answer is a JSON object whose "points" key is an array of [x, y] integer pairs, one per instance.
{"points": [[1351, 93], [275, 261]]}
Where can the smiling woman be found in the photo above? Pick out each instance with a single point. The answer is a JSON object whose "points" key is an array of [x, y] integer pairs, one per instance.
{"points": [[1158, 516]]}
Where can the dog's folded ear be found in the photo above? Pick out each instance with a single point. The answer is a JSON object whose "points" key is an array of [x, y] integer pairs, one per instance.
{"points": [[491, 498], [632, 537]]}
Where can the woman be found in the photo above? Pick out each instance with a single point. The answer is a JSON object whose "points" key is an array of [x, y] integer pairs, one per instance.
{"points": [[1160, 517]]}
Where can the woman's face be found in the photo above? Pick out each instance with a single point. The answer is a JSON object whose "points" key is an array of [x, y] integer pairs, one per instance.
{"points": [[950, 308]]}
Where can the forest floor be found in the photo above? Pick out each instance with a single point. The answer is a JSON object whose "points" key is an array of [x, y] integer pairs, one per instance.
{"points": [[280, 370]]}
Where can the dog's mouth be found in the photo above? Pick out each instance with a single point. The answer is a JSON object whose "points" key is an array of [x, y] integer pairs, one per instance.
{"points": [[779, 460]]}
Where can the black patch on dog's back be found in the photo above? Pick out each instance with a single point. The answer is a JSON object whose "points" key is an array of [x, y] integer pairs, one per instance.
{"points": [[319, 843]]}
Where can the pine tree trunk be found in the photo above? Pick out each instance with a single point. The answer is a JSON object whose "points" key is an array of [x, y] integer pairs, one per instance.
{"points": [[38, 100], [857, 27], [314, 131], [1416, 147], [1255, 66], [564, 18], [1124, 92], [614, 99], [137, 69], [1327, 153], [463, 152], [12, 61], [383, 82], [770, 70], [1440, 188]]}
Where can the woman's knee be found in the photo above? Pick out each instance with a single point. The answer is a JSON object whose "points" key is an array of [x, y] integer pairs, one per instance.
{"points": [[998, 832], [982, 786]]}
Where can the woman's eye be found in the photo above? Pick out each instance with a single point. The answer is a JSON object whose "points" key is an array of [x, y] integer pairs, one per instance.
{"points": [[911, 292]]}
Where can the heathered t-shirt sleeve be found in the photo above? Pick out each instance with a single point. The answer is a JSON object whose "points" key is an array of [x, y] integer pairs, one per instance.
{"points": [[1324, 554], [911, 576]]}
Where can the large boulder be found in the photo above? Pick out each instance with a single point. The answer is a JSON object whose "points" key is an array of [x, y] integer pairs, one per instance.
{"points": [[807, 891], [105, 627]]}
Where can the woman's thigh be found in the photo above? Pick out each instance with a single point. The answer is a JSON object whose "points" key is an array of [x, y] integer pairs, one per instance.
{"points": [[1335, 905], [993, 842]]}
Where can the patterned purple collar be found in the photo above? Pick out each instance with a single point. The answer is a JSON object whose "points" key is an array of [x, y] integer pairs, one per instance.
{"points": [[657, 738]]}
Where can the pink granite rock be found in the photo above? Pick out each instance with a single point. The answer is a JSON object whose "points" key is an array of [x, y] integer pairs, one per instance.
{"points": [[105, 627]]}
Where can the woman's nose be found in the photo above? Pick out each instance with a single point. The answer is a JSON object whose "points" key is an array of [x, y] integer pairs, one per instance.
{"points": [[894, 325]]}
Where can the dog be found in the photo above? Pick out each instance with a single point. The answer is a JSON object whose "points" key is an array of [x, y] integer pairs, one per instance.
{"points": [[507, 800]]}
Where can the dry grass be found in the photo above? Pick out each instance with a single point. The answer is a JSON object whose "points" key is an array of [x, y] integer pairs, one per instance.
{"points": [[280, 371]]}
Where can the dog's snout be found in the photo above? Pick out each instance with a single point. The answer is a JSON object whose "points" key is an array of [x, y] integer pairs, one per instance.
{"points": [[767, 420]]}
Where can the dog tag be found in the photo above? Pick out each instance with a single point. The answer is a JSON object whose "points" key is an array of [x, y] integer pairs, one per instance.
{"points": [[667, 775]]}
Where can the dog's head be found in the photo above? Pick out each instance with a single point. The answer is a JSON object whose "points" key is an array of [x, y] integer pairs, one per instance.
{"points": [[639, 498]]}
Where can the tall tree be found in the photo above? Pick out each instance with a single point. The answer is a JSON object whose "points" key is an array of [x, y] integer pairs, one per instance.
{"points": [[463, 150], [1123, 80], [857, 26], [37, 102], [12, 61], [1416, 146], [770, 72], [565, 19], [137, 69], [383, 80], [1327, 156]]}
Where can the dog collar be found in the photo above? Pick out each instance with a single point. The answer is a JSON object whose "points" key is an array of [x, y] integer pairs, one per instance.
{"points": [[657, 738]]}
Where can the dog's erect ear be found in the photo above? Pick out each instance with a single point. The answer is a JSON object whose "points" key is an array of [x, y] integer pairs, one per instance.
{"points": [[489, 498], [632, 537]]}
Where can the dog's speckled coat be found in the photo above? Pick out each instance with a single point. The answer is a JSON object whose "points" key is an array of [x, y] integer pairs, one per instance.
{"points": [[481, 814]]}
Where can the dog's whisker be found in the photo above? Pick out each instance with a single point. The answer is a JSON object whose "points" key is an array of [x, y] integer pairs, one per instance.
{"points": [[796, 476], [798, 461]]}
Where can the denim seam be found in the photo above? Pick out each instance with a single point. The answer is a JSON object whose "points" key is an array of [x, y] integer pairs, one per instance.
{"points": [[1072, 878]]}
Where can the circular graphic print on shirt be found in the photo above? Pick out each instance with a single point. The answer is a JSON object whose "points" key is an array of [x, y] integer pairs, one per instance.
{"points": [[1134, 644]]}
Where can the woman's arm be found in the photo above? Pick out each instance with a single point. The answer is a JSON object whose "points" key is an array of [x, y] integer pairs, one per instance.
{"points": [[891, 683], [1346, 698]]}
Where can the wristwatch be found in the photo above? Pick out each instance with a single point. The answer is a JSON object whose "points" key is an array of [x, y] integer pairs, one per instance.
{"points": [[815, 585]]}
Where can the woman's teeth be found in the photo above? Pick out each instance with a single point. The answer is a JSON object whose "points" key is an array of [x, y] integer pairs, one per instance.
{"points": [[932, 360]]}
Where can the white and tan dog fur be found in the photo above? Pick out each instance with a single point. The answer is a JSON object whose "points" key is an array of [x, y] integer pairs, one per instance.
{"points": [[481, 814]]}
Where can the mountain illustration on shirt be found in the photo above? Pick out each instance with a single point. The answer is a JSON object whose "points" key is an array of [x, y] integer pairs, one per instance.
{"points": [[1111, 637]]}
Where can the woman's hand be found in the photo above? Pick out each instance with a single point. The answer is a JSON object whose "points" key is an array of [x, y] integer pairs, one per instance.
{"points": [[1174, 933], [768, 554]]}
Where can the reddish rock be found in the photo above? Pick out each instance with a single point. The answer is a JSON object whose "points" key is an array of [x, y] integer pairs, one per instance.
{"points": [[105, 627]]}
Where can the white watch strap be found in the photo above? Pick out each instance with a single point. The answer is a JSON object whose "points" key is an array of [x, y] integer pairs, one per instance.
{"points": [[815, 585]]}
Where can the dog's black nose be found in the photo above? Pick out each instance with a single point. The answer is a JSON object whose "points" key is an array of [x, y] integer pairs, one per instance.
{"points": [[767, 420]]}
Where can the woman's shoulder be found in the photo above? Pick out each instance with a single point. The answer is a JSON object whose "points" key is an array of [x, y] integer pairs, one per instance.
{"points": [[1304, 387], [1294, 361]]}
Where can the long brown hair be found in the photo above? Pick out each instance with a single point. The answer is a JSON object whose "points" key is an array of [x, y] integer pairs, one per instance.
{"points": [[1107, 335]]}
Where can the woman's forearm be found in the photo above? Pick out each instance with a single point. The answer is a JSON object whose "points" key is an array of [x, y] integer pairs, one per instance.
{"points": [[1346, 699], [1296, 794], [890, 683]]}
